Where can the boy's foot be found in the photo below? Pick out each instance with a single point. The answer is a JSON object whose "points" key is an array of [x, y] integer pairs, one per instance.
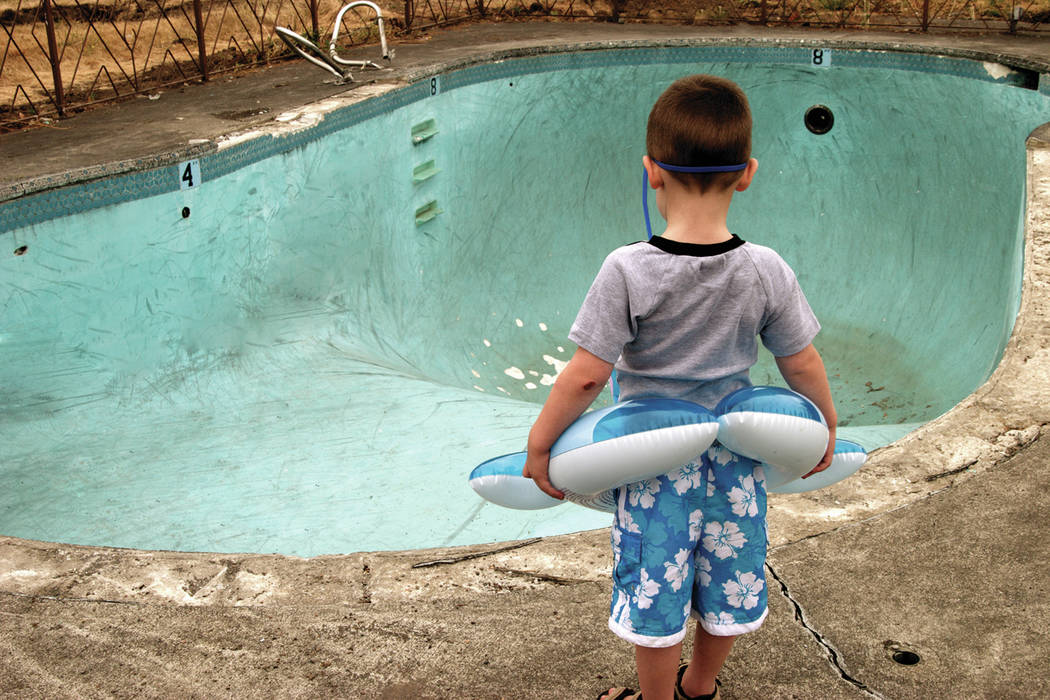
{"points": [[680, 694], [620, 694]]}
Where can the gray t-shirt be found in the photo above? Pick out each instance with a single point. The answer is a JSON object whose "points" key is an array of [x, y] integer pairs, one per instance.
{"points": [[680, 320]]}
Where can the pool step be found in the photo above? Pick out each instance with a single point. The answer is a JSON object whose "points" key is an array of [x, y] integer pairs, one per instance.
{"points": [[427, 212], [424, 131], [424, 171]]}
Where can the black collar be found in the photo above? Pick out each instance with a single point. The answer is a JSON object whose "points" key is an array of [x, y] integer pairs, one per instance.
{"points": [[696, 250]]}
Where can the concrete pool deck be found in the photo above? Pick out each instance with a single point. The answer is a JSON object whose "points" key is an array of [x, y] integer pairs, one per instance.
{"points": [[937, 547]]}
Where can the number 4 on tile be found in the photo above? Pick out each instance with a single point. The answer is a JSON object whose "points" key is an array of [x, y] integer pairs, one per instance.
{"points": [[189, 174]]}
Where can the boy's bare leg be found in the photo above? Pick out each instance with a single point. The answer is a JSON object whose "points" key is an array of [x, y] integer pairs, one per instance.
{"points": [[657, 669], [709, 654]]}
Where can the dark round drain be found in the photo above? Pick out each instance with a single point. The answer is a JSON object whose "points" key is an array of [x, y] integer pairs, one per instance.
{"points": [[819, 119], [906, 658], [185, 212]]}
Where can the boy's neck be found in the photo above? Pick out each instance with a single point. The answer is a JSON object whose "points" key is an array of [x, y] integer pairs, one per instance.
{"points": [[700, 219]]}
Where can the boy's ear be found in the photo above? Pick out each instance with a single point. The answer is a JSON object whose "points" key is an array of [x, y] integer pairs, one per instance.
{"points": [[656, 178], [749, 173]]}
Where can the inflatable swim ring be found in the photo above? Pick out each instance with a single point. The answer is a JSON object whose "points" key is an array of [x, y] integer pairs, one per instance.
{"points": [[603, 449], [644, 438]]}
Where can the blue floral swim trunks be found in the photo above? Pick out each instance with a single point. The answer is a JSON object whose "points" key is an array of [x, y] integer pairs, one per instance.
{"points": [[691, 542]]}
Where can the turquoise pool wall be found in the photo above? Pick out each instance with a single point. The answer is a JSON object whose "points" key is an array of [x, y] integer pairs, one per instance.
{"points": [[869, 214], [298, 360]]}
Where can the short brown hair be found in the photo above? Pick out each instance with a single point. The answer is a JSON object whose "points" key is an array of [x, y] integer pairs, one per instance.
{"points": [[701, 120]]}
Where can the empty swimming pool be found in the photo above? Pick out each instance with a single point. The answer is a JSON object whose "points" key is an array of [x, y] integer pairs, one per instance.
{"points": [[303, 343]]}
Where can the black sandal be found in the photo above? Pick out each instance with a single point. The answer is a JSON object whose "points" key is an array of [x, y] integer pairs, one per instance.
{"points": [[679, 694]]}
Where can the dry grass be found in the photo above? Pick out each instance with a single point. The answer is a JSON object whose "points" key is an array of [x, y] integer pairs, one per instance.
{"points": [[119, 47]]}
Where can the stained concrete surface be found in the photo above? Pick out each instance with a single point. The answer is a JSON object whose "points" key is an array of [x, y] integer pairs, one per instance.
{"points": [[936, 547], [958, 577]]}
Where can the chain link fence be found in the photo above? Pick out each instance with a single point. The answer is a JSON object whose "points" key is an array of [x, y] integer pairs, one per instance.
{"points": [[59, 56]]}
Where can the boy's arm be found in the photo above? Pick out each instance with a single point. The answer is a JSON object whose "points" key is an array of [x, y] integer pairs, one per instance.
{"points": [[804, 373], [575, 389]]}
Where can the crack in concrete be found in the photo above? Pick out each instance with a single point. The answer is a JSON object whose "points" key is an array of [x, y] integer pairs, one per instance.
{"points": [[476, 555], [63, 599], [366, 583], [951, 472], [830, 651], [864, 521], [540, 577]]}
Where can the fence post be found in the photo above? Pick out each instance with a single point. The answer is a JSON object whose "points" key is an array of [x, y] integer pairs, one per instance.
{"points": [[315, 22], [202, 50], [764, 17], [52, 50], [925, 15]]}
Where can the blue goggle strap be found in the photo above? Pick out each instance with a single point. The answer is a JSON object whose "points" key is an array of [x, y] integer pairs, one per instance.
{"points": [[702, 168]]}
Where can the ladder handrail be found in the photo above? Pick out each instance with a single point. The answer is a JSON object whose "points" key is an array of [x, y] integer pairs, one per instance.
{"points": [[335, 34]]}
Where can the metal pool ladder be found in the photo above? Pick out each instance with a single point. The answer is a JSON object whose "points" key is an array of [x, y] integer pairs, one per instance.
{"points": [[331, 62]]}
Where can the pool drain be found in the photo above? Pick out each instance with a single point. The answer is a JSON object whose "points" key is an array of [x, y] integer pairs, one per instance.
{"points": [[901, 654], [185, 212], [906, 658], [819, 119]]}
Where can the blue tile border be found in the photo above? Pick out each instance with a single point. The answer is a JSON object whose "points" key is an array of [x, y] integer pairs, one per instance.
{"points": [[57, 197]]}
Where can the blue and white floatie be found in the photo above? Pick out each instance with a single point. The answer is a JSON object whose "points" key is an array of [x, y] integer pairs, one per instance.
{"points": [[603, 449], [644, 438]]}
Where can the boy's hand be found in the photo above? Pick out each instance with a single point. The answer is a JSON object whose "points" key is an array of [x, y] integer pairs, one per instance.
{"points": [[829, 454], [536, 468]]}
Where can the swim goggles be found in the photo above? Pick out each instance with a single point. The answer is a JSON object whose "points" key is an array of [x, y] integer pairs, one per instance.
{"points": [[680, 169]]}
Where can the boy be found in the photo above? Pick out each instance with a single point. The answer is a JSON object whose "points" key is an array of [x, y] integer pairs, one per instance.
{"points": [[679, 317]]}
